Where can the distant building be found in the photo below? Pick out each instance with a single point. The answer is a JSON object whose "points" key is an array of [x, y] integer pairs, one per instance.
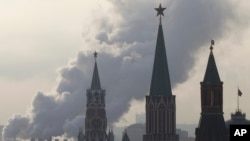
{"points": [[135, 131], [190, 139], [80, 136], [140, 118], [49, 139], [211, 125], [111, 136], [237, 118], [125, 136], [182, 134]]}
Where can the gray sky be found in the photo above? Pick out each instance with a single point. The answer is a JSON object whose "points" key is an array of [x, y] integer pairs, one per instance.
{"points": [[46, 56]]}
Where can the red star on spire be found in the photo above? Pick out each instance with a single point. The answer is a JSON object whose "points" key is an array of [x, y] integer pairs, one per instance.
{"points": [[95, 54], [160, 10]]}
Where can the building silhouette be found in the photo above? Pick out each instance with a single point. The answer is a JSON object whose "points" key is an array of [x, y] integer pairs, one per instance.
{"points": [[80, 136], [125, 136], [211, 125], [237, 118], [111, 136], [95, 119], [160, 103]]}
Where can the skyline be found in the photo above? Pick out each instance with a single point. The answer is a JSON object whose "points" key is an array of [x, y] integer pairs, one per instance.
{"points": [[126, 43]]}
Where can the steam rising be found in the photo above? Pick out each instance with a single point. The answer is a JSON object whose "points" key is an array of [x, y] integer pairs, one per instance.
{"points": [[126, 46]]}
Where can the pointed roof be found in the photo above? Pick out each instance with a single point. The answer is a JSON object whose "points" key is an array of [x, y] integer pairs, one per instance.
{"points": [[211, 74], [160, 82], [111, 136], [111, 131], [95, 79], [125, 136], [80, 134]]}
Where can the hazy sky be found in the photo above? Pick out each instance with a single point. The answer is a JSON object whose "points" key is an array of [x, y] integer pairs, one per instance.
{"points": [[36, 39], [46, 49]]}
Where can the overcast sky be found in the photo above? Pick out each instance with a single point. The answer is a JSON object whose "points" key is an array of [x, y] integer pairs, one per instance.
{"points": [[46, 53]]}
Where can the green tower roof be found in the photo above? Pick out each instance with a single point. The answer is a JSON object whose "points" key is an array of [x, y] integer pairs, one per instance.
{"points": [[211, 75], [160, 82], [95, 79]]}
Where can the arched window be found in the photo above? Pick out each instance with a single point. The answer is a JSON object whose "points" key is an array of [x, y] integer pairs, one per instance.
{"points": [[150, 118], [162, 118]]}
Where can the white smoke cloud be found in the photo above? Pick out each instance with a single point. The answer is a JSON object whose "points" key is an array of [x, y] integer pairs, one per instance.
{"points": [[126, 43], [16, 127], [70, 126]]}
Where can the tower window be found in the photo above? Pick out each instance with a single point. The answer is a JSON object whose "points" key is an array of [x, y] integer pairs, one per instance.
{"points": [[212, 98]]}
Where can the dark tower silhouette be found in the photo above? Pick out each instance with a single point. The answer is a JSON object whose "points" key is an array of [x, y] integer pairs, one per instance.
{"points": [[96, 120], [125, 136], [110, 135], [212, 125], [160, 103], [80, 136]]}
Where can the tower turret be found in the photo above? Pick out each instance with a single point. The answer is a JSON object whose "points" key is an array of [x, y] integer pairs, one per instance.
{"points": [[80, 136], [125, 136], [160, 103], [212, 125], [96, 120], [211, 87], [111, 136]]}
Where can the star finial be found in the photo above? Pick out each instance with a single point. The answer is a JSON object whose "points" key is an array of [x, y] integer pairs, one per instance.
{"points": [[211, 46], [95, 55], [160, 11]]}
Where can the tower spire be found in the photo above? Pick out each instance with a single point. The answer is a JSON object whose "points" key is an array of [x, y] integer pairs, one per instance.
{"points": [[211, 125], [211, 46], [125, 136], [160, 103], [211, 74], [95, 55], [95, 79], [95, 117], [160, 82]]}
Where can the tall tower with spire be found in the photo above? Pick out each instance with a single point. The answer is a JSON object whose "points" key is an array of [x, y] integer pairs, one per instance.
{"points": [[212, 125], [96, 120], [160, 103]]}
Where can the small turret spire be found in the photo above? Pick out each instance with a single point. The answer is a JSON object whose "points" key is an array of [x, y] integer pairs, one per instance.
{"points": [[211, 46], [95, 55], [95, 79], [125, 136], [211, 74]]}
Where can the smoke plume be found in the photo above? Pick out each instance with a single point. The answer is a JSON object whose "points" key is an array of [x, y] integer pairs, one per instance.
{"points": [[125, 40]]}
